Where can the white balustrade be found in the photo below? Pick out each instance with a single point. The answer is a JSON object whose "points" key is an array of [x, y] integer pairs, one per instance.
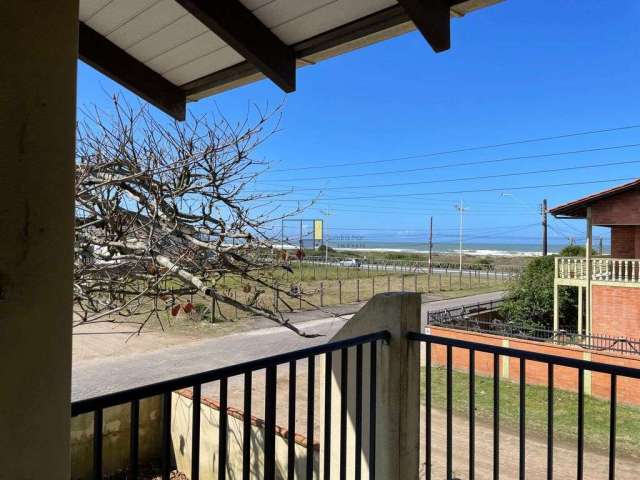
{"points": [[602, 269]]}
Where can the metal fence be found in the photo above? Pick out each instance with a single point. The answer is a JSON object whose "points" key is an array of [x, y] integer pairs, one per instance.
{"points": [[466, 318], [408, 266], [221, 375], [552, 361]]}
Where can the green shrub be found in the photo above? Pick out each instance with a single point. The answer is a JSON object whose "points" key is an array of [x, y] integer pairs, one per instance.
{"points": [[530, 299]]}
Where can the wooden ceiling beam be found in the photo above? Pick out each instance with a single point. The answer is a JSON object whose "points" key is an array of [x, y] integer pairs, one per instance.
{"points": [[242, 31], [432, 18], [115, 63], [243, 72]]}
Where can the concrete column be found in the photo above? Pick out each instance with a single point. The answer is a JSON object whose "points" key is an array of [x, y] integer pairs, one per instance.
{"points": [[588, 248], [506, 369], [556, 302], [398, 390], [38, 47], [580, 310]]}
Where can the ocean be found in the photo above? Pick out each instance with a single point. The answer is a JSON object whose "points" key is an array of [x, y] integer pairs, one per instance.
{"points": [[477, 249]]}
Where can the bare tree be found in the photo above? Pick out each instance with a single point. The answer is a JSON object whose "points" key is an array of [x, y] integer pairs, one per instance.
{"points": [[164, 210]]}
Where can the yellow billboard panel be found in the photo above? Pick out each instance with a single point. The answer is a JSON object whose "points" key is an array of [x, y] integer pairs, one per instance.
{"points": [[317, 230]]}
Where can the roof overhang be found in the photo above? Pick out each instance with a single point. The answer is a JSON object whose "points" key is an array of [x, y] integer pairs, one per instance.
{"points": [[173, 51], [578, 208]]}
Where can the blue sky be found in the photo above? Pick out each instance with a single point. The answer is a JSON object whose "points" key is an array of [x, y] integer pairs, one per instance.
{"points": [[520, 70]]}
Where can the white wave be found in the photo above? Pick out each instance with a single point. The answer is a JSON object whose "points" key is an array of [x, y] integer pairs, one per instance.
{"points": [[470, 252]]}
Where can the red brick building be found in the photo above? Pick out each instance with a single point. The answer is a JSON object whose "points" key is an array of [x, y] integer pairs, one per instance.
{"points": [[609, 287]]}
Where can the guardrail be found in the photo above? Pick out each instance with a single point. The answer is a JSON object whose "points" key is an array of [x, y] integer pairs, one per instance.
{"points": [[463, 312], [552, 361], [221, 375]]}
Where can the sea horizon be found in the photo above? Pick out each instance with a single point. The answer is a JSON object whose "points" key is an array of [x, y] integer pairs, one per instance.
{"points": [[472, 248]]}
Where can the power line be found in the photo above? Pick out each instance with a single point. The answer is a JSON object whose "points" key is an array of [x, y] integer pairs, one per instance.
{"points": [[480, 190], [459, 164], [419, 230], [464, 149], [422, 214], [400, 209], [478, 177]]}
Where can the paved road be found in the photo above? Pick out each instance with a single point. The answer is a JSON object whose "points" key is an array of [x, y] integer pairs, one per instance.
{"points": [[105, 375]]}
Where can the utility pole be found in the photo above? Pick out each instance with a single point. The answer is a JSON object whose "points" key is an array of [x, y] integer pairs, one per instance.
{"points": [[544, 211], [461, 210], [301, 250], [325, 236], [326, 245], [430, 240], [601, 245]]}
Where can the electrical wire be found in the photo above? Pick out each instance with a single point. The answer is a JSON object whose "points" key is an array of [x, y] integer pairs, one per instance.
{"points": [[479, 190], [459, 164], [464, 149], [477, 177]]}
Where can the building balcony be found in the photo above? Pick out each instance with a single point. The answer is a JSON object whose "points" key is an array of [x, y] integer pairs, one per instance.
{"points": [[604, 270]]}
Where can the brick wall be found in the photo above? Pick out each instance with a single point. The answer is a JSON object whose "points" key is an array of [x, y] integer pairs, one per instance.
{"points": [[565, 378], [622, 209], [625, 240], [616, 310]]}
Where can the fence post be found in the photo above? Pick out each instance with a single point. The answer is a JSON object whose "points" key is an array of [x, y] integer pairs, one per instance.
{"points": [[373, 286], [321, 294], [358, 289], [397, 418], [388, 283], [213, 306], [402, 276], [415, 283], [339, 292]]}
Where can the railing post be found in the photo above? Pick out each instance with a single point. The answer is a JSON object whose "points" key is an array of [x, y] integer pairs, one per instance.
{"points": [[397, 406]]}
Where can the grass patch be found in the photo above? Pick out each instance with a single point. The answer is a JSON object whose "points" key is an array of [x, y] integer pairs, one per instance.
{"points": [[565, 411]]}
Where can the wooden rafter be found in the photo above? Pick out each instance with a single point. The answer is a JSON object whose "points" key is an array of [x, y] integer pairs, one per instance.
{"points": [[111, 60], [242, 31], [432, 18]]}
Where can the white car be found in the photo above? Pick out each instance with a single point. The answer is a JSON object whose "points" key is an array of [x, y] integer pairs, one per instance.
{"points": [[351, 262]]}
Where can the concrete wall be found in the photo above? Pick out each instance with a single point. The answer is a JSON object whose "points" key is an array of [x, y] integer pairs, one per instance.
{"points": [[38, 47], [116, 436], [616, 310], [181, 421], [565, 378], [398, 389]]}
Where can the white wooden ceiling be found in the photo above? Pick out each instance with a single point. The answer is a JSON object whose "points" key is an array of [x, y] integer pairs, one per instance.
{"points": [[166, 38]]}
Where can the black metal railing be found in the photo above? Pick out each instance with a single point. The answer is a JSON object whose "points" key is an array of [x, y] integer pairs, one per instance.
{"points": [[552, 361], [463, 312], [222, 375], [466, 318]]}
